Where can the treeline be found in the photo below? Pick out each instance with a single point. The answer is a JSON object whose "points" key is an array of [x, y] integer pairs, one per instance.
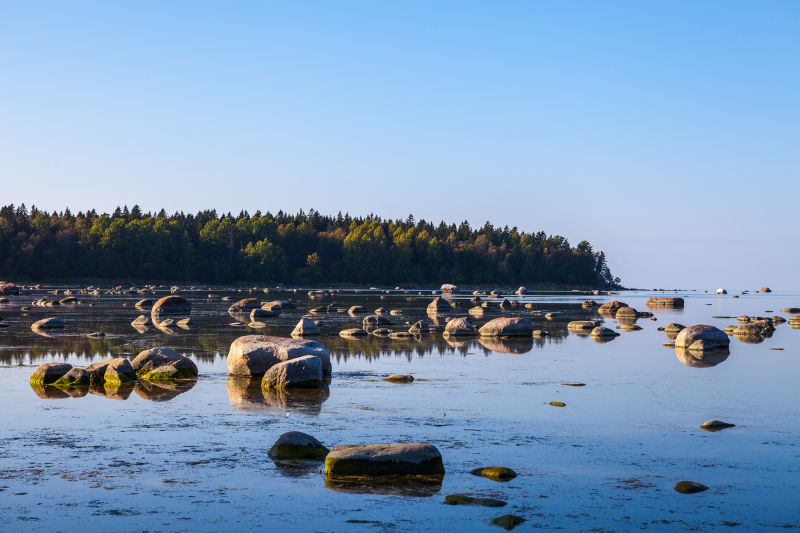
{"points": [[300, 248]]}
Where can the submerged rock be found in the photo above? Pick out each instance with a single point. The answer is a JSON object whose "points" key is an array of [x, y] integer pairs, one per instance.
{"points": [[297, 445], [399, 378], [384, 459], [353, 332], [715, 425], [497, 473], [508, 521], [466, 499], [303, 372], [507, 327], [157, 364], [689, 487], [253, 355]]}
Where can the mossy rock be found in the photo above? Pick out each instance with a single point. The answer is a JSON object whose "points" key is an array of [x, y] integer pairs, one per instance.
{"points": [[74, 378], [466, 499], [49, 373], [168, 373], [508, 521], [497, 473]]}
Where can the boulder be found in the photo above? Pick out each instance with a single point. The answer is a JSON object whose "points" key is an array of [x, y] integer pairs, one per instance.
{"points": [[245, 305], [157, 364], [48, 323], [144, 304], [303, 371], [466, 499], [439, 306], [460, 326], [448, 288], [589, 304], [384, 459], [721, 291], [48, 373], [507, 327], [305, 328], [259, 312], [582, 326], [8, 289], [399, 378], [497, 473], [689, 487], [253, 355], [420, 326], [611, 308], [118, 370], [375, 320], [353, 332], [701, 337], [142, 320], [665, 301], [626, 313], [170, 305], [73, 378], [716, 425], [357, 310], [297, 445], [602, 332]]}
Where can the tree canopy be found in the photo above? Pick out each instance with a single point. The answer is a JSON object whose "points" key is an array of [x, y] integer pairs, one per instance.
{"points": [[289, 248]]}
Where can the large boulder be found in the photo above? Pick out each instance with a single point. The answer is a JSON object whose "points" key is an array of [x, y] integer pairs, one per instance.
{"points": [[439, 306], [460, 326], [521, 291], [420, 326], [144, 304], [507, 327], [73, 378], [665, 301], [384, 459], [158, 364], [297, 445], [118, 370], [582, 326], [448, 288], [48, 323], [702, 337], [48, 373], [721, 291], [245, 305], [371, 321], [170, 305], [305, 328], [253, 355], [303, 371], [626, 313]]}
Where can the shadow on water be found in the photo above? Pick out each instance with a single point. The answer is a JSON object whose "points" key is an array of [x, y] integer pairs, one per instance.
{"points": [[154, 392]]}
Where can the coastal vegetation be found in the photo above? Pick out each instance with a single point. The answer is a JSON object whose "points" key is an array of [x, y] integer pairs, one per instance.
{"points": [[289, 248]]}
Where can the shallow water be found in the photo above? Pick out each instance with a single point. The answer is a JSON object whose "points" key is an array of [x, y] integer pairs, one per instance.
{"points": [[195, 459]]}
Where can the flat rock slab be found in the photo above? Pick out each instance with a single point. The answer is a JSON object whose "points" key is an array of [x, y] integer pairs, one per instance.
{"points": [[384, 459], [466, 499], [253, 355], [399, 378]]}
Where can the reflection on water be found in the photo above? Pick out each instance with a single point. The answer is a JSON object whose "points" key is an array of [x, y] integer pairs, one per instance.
{"points": [[410, 486], [246, 393], [163, 391], [702, 359], [154, 392], [507, 345]]}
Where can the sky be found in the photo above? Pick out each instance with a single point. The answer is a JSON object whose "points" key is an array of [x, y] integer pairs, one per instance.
{"points": [[665, 133]]}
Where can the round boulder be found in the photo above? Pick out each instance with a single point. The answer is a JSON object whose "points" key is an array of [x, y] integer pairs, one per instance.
{"points": [[253, 355], [702, 337], [302, 372]]}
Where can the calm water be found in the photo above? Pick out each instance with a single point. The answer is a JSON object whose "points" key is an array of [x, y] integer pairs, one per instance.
{"points": [[194, 458]]}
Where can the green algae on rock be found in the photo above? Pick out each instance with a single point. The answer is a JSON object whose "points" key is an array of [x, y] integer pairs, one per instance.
{"points": [[48, 373], [497, 473], [466, 499], [73, 378]]}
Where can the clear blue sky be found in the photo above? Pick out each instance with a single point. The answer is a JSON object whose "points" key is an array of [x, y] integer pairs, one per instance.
{"points": [[666, 133]]}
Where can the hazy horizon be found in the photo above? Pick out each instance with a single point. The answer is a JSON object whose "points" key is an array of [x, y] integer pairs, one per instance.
{"points": [[666, 135]]}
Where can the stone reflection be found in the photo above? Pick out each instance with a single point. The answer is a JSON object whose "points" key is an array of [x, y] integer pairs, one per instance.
{"points": [[112, 391], [702, 359], [163, 391], [507, 345], [410, 486], [245, 393]]}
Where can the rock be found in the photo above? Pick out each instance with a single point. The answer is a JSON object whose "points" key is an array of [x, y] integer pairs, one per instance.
{"points": [[466, 499], [375, 320], [301, 372], [557, 404], [8, 289], [750, 330], [421, 326], [357, 309], [507, 327], [521, 291], [721, 291], [459, 327], [73, 378], [504, 304], [448, 288], [672, 329], [142, 320], [611, 308], [396, 312], [439, 306], [581, 326], [400, 335], [399, 378], [47, 323], [626, 313], [253, 355], [144, 304], [384, 459], [118, 370], [353, 332], [508, 521], [381, 332], [48, 373], [497, 473], [305, 328], [701, 337], [379, 311], [170, 305], [601, 331], [589, 304], [539, 333], [94, 334], [689, 487], [766, 289], [158, 364], [791, 310], [574, 384], [665, 301], [255, 314], [477, 311], [715, 425], [297, 445], [68, 300], [245, 305]]}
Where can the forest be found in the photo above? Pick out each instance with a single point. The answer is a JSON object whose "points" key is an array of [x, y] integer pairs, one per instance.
{"points": [[302, 248]]}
